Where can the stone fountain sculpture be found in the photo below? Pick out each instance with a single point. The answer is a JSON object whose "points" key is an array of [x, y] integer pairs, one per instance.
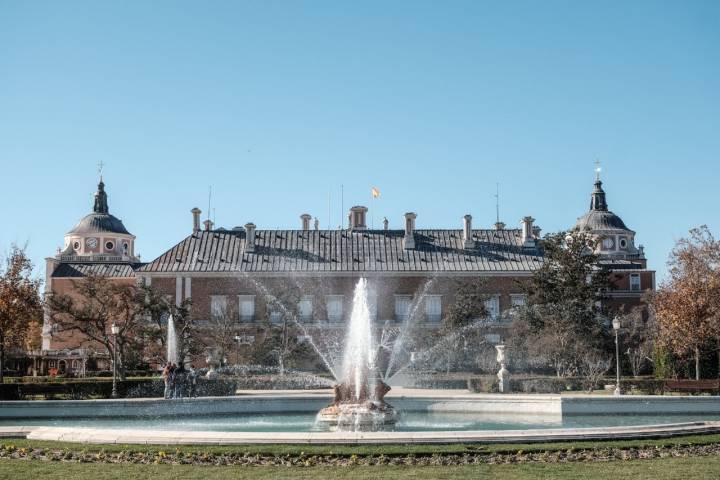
{"points": [[359, 402]]}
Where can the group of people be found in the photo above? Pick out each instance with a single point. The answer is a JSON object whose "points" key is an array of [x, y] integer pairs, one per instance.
{"points": [[179, 381]]}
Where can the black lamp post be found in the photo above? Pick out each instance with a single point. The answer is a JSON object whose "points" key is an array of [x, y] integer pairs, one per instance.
{"points": [[616, 327], [114, 330]]}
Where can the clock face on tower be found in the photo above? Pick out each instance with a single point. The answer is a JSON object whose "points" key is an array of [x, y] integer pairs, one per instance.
{"points": [[91, 242]]}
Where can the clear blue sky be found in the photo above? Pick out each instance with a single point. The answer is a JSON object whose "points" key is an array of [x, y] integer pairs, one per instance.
{"points": [[277, 103]]}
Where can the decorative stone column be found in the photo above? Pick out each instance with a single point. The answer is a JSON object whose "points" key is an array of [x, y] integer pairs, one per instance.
{"points": [[503, 375]]}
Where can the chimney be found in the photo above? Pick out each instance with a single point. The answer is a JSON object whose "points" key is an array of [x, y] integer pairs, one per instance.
{"points": [[249, 237], [317, 224], [357, 218], [385, 224], [468, 241], [208, 225], [305, 220], [409, 240], [196, 219], [528, 240]]}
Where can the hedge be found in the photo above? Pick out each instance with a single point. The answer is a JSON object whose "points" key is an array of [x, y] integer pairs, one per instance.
{"points": [[79, 390]]}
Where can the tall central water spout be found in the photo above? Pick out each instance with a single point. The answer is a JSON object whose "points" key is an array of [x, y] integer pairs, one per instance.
{"points": [[360, 351], [359, 397], [171, 342]]}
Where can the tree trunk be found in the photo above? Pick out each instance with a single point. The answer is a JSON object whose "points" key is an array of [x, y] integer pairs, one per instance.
{"points": [[697, 364]]}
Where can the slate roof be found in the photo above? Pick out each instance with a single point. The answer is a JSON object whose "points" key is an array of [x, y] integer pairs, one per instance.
{"points": [[343, 251], [600, 220], [73, 270], [99, 223]]}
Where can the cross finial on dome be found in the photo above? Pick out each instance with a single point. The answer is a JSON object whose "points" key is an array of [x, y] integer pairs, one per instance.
{"points": [[100, 166], [598, 169]]}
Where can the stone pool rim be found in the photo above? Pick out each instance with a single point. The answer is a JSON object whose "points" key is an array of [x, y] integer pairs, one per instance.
{"points": [[556, 406], [163, 437]]}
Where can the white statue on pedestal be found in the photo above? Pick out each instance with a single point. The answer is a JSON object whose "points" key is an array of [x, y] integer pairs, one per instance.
{"points": [[213, 360], [503, 375]]}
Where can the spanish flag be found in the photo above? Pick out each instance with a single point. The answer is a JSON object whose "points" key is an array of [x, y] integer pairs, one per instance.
{"points": [[375, 192]]}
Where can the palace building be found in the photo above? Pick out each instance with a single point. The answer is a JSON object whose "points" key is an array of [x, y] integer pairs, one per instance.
{"points": [[235, 271]]}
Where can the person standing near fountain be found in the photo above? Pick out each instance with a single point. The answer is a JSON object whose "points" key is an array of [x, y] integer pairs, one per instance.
{"points": [[166, 374]]}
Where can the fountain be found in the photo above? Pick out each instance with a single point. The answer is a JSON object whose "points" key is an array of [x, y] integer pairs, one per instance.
{"points": [[359, 397], [171, 342]]}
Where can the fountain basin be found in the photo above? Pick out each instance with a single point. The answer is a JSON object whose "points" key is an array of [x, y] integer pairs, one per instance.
{"points": [[422, 416]]}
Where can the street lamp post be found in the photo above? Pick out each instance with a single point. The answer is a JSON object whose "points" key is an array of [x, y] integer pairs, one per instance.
{"points": [[115, 330], [616, 327]]}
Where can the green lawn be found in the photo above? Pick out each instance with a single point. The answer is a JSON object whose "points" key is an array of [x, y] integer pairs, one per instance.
{"points": [[660, 469], [687, 463]]}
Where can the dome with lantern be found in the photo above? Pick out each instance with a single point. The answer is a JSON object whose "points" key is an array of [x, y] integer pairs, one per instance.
{"points": [[100, 235], [615, 239]]}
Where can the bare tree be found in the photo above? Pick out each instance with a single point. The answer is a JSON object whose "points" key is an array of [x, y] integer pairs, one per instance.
{"points": [[639, 338], [93, 307], [220, 334], [593, 365]]}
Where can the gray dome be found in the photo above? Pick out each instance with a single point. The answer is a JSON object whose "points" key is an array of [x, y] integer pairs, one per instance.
{"points": [[600, 220], [99, 223], [100, 220], [599, 217]]}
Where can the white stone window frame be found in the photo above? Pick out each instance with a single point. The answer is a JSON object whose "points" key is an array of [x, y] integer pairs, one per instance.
{"points": [[492, 305], [246, 314], [305, 308], [433, 309], [335, 313], [218, 306], [403, 306], [635, 282]]}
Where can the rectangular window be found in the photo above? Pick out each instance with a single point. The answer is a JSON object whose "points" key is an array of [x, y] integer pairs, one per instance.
{"points": [[246, 307], [492, 305], [493, 338], [274, 311], [334, 305], [635, 282], [518, 299], [372, 304], [402, 307], [305, 308], [218, 307], [433, 308]]}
